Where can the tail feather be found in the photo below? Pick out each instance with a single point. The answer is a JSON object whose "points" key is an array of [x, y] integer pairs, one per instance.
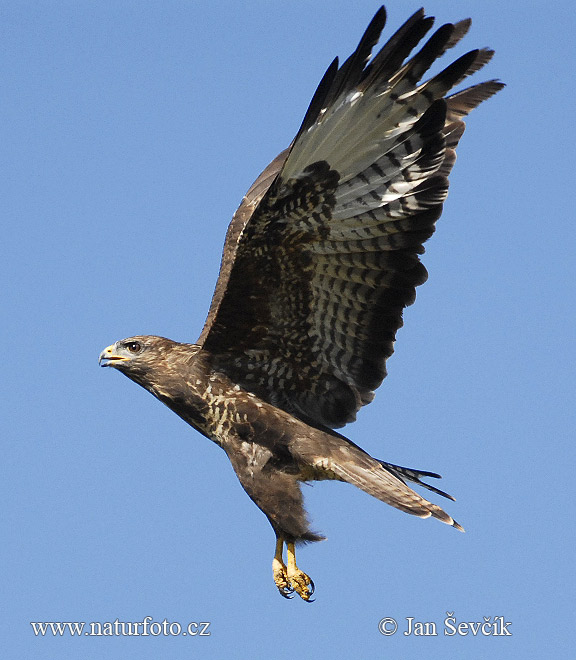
{"points": [[330, 455], [381, 482]]}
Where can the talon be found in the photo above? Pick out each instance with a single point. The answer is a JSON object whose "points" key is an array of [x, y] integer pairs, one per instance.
{"points": [[281, 580], [289, 579], [301, 582], [280, 575], [312, 587]]}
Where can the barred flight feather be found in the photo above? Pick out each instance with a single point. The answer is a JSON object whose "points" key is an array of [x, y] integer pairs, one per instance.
{"points": [[318, 266]]}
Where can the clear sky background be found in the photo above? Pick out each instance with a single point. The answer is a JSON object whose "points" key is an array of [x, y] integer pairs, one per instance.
{"points": [[130, 132]]}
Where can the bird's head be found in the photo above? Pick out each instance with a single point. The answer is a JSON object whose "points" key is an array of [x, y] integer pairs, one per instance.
{"points": [[138, 357]]}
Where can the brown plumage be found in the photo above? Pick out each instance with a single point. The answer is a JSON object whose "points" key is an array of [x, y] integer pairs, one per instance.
{"points": [[319, 262]]}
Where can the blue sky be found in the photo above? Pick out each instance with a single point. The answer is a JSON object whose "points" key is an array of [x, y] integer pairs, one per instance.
{"points": [[131, 130]]}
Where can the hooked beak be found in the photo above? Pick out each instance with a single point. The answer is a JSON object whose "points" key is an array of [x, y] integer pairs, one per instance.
{"points": [[109, 356]]}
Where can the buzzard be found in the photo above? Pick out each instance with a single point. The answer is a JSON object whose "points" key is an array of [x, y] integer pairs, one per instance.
{"points": [[319, 261]]}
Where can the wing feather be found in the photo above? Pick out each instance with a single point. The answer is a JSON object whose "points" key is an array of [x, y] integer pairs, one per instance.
{"points": [[243, 214], [321, 258]]}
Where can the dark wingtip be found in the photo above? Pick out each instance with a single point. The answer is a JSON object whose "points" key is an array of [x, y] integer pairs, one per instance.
{"points": [[380, 17]]}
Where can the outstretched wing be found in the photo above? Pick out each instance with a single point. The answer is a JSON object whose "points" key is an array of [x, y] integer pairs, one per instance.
{"points": [[243, 214], [322, 256]]}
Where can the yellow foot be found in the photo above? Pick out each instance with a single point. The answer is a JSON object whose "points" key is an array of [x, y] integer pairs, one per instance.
{"points": [[281, 578], [290, 579], [301, 584]]}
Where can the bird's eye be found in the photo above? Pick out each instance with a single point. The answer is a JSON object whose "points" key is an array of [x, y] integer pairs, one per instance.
{"points": [[134, 346]]}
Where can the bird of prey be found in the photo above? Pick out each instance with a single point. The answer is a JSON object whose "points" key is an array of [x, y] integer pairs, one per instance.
{"points": [[319, 261]]}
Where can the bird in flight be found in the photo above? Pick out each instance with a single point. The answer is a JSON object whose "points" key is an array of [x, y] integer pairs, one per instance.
{"points": [[319, 261]]}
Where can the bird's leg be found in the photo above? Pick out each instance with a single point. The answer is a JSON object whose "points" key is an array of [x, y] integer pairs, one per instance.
{"points": [[299, 581], [289, 578], [279, 571]]}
